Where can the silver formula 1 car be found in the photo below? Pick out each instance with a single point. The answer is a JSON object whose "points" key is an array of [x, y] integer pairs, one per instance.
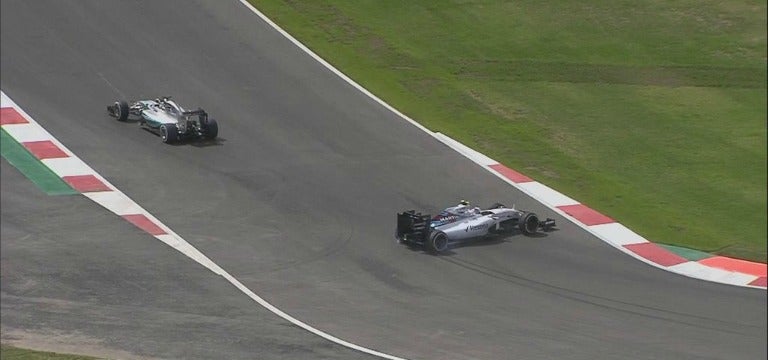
{"points": [[166, 118], [462, 222]]}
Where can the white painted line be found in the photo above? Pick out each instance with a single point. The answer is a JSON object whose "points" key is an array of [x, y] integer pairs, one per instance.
{"points": [[5, 101], [116, 202], [177, 242], [171, 240], [69, 166], [468, 152], [27, 132], [617, 234], [546, 194], [333, 69], [301, 324]]}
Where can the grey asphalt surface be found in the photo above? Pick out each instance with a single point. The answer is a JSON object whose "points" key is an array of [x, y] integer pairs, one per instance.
{"points": [[76, 278], [297, 200]]}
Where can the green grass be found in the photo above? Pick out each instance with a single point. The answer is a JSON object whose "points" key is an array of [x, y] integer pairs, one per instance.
{"points": [[13, 353], [653, 112], [18, 156]]}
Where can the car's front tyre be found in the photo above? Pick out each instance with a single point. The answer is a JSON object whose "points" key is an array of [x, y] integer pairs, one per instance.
{"points": [[122, 110], [529, 224]]}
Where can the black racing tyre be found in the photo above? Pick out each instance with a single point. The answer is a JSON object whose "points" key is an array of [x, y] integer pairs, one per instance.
{"points": [[169, 133], [122, 109], [210, 128], [529, 224], [438, 242], [497, 206]]}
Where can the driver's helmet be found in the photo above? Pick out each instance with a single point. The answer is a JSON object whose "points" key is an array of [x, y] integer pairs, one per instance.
{"points": [[462, 207]]}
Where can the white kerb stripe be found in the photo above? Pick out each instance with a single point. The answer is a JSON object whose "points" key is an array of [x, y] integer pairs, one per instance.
{"points": [[169, 239], [116, 202], [5, 101], [701, 271], [27, 132], [69, 166], [470, 153], [617, 234], [545, 194]]}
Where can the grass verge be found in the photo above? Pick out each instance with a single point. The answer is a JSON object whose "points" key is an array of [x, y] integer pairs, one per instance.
{"points": [[31, 167], [653, 113], [8, 352]]}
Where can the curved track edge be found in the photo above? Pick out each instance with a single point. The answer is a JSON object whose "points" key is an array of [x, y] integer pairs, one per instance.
{"points": [[712, 268], [24, 129], [716, 268]]}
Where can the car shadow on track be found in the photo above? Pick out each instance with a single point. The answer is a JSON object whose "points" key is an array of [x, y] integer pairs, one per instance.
{"points": [[489, 240], [203, 142], [218, 141]]}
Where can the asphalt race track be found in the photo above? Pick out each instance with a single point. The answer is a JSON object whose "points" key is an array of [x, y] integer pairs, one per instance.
{"points": [[297, 200]]}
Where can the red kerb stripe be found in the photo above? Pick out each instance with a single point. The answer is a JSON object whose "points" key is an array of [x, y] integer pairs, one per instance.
{"points": [[585, 214], [9, 115], [86, 183], [510, 174], [44, 149], [738, 265], [144, 223], [656, 254], [761, 281]]}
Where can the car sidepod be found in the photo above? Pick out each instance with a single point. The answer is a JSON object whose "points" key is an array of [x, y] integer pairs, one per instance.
{"points": [[468, 228]]}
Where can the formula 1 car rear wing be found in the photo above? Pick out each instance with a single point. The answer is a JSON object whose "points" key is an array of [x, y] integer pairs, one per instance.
{"points": [[413, 227], [201, 115], [195, 112]]}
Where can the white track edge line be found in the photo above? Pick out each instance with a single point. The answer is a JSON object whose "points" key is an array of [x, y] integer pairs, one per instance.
{"points": [[336, 71]]}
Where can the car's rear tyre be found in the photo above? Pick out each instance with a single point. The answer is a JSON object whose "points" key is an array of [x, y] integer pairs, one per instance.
{"points": [[122, 110], [438, 242], [529, 225], [210, 128], [169, 133]]}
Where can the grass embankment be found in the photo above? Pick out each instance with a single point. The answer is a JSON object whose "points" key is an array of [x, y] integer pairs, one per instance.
{"points": [[13, 353], [653, 113]]}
